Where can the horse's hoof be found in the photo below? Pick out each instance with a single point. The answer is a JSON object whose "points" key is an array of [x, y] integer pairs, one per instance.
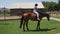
{"points": [[36, 28], [19, 27], [39, 28], [28, 29], [23, 30]]}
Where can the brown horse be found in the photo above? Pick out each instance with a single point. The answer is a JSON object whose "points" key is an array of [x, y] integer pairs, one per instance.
{"points": [[31, 16]]}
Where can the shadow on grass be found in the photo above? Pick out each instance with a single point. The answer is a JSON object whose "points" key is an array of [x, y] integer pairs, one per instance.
{"points": [[41, 30]]}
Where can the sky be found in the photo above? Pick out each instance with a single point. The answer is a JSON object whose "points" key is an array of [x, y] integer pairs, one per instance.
{"points": [[8, 3]]}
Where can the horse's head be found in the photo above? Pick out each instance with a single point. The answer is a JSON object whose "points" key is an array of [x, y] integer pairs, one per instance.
{"points": [[43, 14], [48, 16]]}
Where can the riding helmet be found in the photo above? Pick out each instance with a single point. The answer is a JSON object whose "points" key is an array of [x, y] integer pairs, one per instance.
{"points": [[36, 4]]}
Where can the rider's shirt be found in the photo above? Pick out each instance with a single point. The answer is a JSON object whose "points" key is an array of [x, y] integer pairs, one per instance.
{"points": [[34, 10]]}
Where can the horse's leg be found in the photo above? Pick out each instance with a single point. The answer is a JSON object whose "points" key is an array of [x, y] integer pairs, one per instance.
{"points": [[24, 26], [38, 25], [27, 25]]}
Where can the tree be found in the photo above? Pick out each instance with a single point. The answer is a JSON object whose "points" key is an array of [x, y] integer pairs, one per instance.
{"points": [[59, 1], [50, 5], [59, 4]]}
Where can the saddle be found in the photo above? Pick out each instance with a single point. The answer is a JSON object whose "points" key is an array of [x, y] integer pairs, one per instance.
{"points": [[35, 15]]}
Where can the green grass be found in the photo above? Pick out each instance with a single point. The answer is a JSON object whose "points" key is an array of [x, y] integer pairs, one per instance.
{"points": [[12, 27]]}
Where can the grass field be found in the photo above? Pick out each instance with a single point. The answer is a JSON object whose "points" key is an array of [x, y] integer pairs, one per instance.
{"points": [[12, 27]]}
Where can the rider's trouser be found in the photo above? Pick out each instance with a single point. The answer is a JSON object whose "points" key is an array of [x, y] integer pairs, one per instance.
{"points": [[37, 15]]}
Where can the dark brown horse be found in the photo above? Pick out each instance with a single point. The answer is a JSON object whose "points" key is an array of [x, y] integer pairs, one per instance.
{"points": [[31, 16]]}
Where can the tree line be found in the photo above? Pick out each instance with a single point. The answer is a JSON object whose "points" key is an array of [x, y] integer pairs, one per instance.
{"points": [[52, 6]]}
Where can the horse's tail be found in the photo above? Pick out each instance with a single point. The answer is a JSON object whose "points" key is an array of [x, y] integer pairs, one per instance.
{"points": [[21, 23]]}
